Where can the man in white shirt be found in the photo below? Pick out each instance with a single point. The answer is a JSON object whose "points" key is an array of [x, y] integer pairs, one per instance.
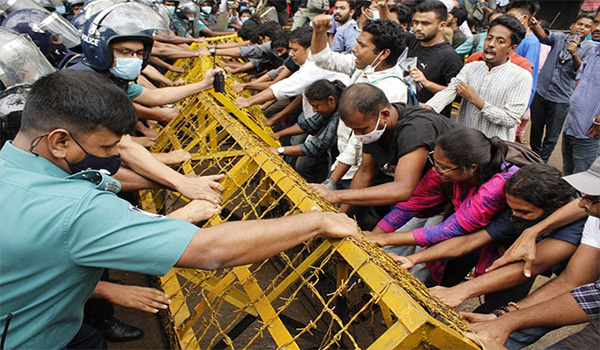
{"points": [[373, 61], [294, 85], [495, 91]]}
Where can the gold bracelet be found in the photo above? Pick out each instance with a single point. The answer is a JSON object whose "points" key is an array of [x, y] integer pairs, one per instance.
{"points": [[515, 305]]}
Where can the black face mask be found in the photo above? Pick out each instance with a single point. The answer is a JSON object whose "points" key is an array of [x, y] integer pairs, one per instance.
{"points": [[91, 162], [524, 224], [283, 56]]}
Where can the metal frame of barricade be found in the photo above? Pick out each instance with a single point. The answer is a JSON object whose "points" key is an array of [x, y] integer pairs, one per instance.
{"points": [[238, 307]]}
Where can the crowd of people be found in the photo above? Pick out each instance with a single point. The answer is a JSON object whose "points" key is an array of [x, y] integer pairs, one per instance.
{"points": [[410, 116]]}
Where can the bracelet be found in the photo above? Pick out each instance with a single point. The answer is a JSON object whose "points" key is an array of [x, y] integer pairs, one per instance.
{"points": [[595, 122], [515, 305], [504, 308]]}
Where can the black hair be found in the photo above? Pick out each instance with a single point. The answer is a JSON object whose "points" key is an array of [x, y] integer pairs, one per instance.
{"points": [[281, 39], [245, 11], [540, 185], [386, 34], [250, 30], [466, 146], [364, 98], [321, 89], [441, 11], [302, 35], [358, 6], [529, 7], [459, 14], [412, 4], [403, 12], [79, 101], [269, 29], [582, 15], [517, 29], [351, 3]]}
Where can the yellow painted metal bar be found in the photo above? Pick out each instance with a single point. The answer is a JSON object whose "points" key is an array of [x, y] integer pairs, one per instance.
{"points": [[243, 117], [234, 296], [276, 328], [207, 126], [321, 250], [172, 288]]}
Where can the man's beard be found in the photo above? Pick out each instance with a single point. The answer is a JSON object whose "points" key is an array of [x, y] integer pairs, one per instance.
{"points": [[342, 19], [428, 38]]}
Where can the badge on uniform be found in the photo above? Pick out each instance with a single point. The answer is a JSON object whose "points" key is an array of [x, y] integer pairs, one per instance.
{"points": [[151, 215]]}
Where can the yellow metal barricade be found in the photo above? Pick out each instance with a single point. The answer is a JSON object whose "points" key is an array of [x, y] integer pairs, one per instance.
{"points": [[322, 294]]}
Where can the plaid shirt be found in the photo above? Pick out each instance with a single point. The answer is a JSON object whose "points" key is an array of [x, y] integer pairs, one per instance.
{"points": [[588, 298], [505, 90], [325, 130]]}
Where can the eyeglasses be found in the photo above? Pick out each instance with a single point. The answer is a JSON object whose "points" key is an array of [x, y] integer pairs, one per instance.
{"points": [[584, 197], [130, 53], [437, 168]]}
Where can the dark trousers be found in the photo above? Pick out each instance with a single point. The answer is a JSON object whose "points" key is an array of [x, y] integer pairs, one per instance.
{"points": [[88, 338], [97, 309], [550, 117]]}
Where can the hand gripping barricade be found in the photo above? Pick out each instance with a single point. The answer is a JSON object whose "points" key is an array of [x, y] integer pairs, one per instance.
{"points": [[321, 294]]}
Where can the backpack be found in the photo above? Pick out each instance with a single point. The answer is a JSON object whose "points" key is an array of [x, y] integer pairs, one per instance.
{"points": [[475, 12], [411, 98], [520, 155]]}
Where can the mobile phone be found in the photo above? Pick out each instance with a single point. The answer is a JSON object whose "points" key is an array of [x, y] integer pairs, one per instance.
{"points": [[219, 79]]}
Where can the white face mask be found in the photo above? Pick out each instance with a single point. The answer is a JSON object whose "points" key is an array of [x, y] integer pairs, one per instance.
{"points": [[371, 68], [373, 136], [375, 14], [206, 9]]}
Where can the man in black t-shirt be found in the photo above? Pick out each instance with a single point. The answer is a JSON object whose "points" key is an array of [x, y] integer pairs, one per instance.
{"points": [[397, 139], [436, 61]]}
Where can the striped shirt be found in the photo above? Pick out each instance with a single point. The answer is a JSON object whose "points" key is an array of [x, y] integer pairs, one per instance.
{"points": [[505, 90]]}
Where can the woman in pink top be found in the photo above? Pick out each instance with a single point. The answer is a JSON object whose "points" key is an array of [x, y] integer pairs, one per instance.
{"points": [[469, 171]]}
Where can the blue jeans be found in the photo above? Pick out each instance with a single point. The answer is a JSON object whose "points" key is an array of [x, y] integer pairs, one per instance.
{"points": [[578, 154]]}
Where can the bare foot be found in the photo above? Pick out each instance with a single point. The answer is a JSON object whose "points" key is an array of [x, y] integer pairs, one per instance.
{"points": [[174, 157]]}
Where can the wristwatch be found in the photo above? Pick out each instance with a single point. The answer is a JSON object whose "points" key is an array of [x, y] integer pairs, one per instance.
{"points": [[280, 150]]}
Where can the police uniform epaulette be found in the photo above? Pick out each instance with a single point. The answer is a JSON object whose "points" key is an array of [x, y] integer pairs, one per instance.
{"points": [[102, 181]]}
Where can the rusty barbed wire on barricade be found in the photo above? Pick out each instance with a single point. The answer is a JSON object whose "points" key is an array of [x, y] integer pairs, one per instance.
{"points": [[322, 294]]}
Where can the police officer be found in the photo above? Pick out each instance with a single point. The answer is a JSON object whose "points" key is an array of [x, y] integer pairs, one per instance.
{"points": [[69, 226]]}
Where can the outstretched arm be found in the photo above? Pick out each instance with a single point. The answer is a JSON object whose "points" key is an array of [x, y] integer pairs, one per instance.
{"points": [[244, 242], [166, 95]]}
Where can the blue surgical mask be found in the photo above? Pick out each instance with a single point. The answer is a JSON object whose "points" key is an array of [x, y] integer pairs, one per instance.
{"points": [[61, 10], [171, 9], [91, 162], [127, 68], [244, 19], [206, 9]]}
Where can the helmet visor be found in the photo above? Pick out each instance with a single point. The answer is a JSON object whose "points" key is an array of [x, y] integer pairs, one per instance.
{"points": [[20, 60], [132, 17], [62, 29], [92, 8], [10, 6]]}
